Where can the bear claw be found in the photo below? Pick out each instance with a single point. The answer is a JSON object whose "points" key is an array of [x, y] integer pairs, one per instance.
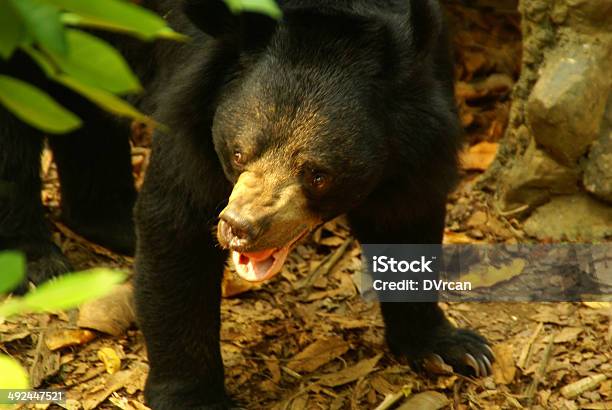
{"points": [[490, 351], [438, 359], [467, 352], [471, 361], [487, 364]]}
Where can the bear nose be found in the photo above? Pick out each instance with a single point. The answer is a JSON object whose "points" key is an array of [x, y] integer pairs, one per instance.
{"points": [[240, 227]]}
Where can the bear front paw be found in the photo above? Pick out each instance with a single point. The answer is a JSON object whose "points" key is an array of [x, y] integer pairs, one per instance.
{"points": [[181, 396], [173, 403], [466, 351], [44, 261]]}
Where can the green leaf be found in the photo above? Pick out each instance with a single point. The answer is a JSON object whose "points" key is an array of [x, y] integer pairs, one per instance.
{"points": [[71, 290], [12, 29], [267, 7], [42, 20], [117, 14], [35, 107], [74, 19], [12, 270], [12, 375], [41, 59], [11, 307], [95, 62], [102, 98]]}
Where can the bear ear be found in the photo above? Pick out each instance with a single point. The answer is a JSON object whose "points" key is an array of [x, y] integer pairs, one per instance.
{"points": [[214, 18], [426, 22]]}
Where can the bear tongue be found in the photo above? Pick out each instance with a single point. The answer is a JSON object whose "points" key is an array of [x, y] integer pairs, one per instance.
{"points": [[259, 256], [259, 266]]}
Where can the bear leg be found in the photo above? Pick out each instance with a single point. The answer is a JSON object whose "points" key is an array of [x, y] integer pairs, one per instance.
{"points": [[419, 330], [179, 269], [97, 185], [23, 226]]}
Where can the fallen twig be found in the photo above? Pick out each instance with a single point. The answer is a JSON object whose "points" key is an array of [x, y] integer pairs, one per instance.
{"points": [[391, 399], [540, 373], [526, 352], [327, 264], [577, 388]]}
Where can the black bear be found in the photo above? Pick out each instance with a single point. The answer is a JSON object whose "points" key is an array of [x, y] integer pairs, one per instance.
{"points": [[95, 171], [341, 107], [270, 129]]}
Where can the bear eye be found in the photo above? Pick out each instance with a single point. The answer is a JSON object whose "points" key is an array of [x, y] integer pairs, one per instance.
{"points": [[319, 180]]}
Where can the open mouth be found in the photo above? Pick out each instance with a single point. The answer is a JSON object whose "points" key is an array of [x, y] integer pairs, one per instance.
{"points": [[262, 265]]}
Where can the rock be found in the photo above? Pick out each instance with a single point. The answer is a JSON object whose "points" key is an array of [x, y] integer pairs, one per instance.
{"points": [[589, 16], [571, 217], [112, 314], [598, 169], [534, 178], [567, 104], [608, 116]]}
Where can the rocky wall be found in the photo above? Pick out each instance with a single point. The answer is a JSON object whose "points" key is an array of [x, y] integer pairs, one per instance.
{"points": [[554, 167]]}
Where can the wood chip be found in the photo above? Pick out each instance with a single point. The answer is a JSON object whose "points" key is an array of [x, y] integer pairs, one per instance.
{"points": [[7, 338], [459, 238], [568, 334], [348, 323], [317, 354], [114, 383], [428, 400], [504, 367], [332, 241], [598, 305], [479, 157], [381, 385], [138, 405], [352, 373], [602, 405], [110, 358], [391, 400], [60, 338], [577, 388], [46, 362]]}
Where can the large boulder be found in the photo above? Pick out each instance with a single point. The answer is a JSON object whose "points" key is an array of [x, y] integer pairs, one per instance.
{"points": [[574, 218], [534, 178], [598, 169], [586, 16], [554, 166], [566, 107]]}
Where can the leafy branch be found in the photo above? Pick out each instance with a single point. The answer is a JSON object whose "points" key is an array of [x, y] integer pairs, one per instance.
{"points": [[49, 31], [62, 293]]}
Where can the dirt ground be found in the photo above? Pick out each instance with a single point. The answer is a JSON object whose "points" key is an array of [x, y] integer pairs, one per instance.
{"points": [[306, 339]]}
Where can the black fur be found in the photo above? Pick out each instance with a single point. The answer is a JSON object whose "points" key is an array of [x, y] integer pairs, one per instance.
{"points": [[360, 89], [94, 166], [381, 76]]}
